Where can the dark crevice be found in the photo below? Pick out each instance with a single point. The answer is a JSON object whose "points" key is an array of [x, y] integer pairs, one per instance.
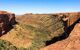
{"points": [[9, 27], [64, 35], [6, 23]]}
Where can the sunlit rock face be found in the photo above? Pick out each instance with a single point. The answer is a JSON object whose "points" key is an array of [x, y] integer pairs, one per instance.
{"points": [[6, 20]]}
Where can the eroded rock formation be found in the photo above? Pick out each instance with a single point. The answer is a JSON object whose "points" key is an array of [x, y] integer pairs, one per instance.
{"points": [[71, 43], [6, 20]]}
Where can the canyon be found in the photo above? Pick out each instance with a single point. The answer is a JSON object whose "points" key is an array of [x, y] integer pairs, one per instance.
{"points": [[59, 31]]}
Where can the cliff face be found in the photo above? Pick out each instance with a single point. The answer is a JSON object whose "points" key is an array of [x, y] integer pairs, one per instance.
{"points": [[70, 18], [71, 43], [6, 20]]}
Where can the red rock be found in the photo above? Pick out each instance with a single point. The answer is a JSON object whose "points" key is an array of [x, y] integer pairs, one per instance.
{"points": [[6, 20], [71, 43]]}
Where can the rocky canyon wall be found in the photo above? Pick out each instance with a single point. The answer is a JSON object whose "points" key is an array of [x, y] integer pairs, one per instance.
{"points": [[6, 20]]}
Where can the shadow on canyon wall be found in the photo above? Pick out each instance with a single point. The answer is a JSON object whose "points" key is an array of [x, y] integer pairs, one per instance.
{"points": [[9, 27], [64, 35]]}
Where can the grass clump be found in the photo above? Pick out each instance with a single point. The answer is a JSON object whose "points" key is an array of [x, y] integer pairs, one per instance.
{"points": [[5, 45]]}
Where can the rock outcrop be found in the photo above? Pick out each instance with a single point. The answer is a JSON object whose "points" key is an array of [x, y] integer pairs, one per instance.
{"points": [[71, 43], [70, 18], [6, 20]]}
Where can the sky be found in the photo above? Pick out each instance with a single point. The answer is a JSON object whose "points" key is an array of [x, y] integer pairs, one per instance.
{"points": [[40, 6]]}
